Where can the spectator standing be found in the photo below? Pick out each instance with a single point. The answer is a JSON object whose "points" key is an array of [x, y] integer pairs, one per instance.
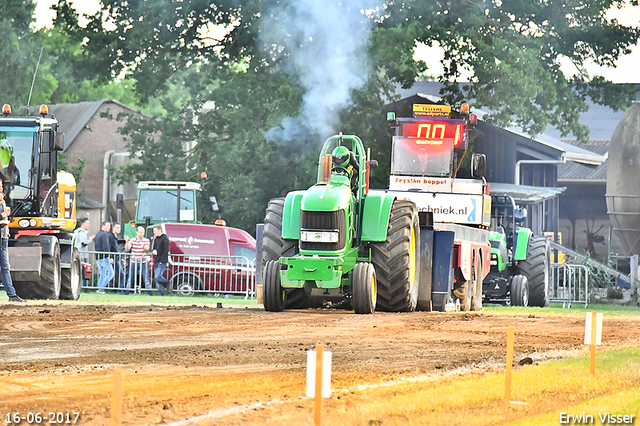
{"points": [[119, 279], [104, 260], [5, 269], [82, 243], [139, 261], [160, 250]]}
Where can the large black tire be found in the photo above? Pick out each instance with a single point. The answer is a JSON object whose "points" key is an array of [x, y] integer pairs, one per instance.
{"points": [[537, 269], [396, 260], [519, 291], [363, 287], [273, 293], [49, 285], [274, 247], [71, 284]]}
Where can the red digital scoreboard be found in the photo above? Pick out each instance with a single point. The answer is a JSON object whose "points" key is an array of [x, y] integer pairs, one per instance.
{"points": [[435, 131]]}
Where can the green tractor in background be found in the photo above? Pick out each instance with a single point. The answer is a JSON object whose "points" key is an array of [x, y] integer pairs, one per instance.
{"points": [[336, 236], [520, 261]]}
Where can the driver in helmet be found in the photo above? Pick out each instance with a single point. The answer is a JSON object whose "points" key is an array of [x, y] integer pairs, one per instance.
{"points": [[344, 161]]}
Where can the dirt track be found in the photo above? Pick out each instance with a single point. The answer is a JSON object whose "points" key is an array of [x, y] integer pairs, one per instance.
{"points": [[181, 362]]}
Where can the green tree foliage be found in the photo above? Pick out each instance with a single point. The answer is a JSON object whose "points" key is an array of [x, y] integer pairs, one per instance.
{"points": [[19, 51], [260, 137], [62, 75], [513, 50]]}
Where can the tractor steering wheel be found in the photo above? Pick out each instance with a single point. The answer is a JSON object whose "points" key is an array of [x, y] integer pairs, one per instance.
{"points": [[340, 169]]}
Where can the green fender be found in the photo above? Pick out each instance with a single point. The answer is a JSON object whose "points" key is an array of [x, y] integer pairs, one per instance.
{"points": [[291, 215], [501, 238], [521, 243], [375, 218]]}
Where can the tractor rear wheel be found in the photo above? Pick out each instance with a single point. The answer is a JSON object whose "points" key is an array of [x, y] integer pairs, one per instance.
{"points": [[396, 260], [274, 247], [273, 293], [519, 291], [363, 287], [71, 283], [537, 269]]}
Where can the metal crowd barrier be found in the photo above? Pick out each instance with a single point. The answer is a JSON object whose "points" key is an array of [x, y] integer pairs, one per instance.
{"points": [[187, 274], [569, 284]]}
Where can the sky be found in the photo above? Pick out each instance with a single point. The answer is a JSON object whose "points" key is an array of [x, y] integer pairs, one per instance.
{"points": [[625, 72]]}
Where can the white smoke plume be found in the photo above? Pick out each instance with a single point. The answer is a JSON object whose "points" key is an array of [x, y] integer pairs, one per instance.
{"points": [[324, 42]]}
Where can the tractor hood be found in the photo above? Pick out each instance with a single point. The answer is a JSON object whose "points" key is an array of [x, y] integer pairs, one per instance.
{"points": [[326, 198]]}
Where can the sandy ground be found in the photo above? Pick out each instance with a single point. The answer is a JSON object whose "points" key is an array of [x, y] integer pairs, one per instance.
{"points": [[202, 365]]}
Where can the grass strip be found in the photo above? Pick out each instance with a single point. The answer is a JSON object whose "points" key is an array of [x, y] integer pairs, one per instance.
{"points": [[118, 298], [617, 404], [541, 393]]}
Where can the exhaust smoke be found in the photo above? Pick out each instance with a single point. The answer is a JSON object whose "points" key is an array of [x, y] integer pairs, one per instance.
{"points": [[324, 46]]}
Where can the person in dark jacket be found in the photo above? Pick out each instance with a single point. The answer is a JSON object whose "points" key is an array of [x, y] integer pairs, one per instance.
{"points": [[104, 260], [120, 279], [160, 251]]}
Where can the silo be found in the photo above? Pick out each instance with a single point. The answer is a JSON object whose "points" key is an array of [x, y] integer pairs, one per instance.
{"points": [[623, 181]]}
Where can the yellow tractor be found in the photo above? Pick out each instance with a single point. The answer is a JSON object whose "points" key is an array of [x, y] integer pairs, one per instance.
{"points": [[44, 262]]}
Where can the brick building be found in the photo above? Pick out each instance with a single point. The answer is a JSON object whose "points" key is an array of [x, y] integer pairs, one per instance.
{"points": [[92, 134]]}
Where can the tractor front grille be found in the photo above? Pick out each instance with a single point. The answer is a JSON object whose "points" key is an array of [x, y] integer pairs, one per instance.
{"points": [[324, 221]]}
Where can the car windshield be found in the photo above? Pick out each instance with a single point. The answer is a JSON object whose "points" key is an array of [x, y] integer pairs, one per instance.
{"points": [[422, 157], [162, 205], [15, 159], [244, 255]]}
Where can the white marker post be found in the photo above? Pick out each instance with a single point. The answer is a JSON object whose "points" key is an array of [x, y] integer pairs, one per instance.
{"points": [[593, 335], [318, 378]]}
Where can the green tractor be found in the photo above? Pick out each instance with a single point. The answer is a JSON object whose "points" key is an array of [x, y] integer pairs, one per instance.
{"points": [[336, 236], [520, 261]]}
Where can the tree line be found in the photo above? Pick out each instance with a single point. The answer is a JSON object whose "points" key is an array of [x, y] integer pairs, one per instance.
{"points": [[253, 87]]}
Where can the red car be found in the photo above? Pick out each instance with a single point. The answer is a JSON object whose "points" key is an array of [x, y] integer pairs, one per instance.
{"points": [[210, 258]]}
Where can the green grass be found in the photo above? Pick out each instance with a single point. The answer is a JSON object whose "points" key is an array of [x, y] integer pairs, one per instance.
{"points": [[141, 299], [622, 394], [576, 309], [541, 392]]}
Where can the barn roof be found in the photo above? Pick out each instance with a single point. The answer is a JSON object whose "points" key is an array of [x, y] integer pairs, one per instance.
{"points": [[73, 118]]}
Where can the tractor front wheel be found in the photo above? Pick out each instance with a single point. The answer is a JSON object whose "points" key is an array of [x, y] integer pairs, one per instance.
{"points": [[536, 267], [273, 294], [274, 247], [364, 288], [519, 291]]}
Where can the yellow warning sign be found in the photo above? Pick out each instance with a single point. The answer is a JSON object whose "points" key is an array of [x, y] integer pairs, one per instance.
{"points": [[423, 110]]}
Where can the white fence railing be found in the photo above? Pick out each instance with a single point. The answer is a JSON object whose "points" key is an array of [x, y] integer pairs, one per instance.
{"points": [[187, 274], [569, 284]]}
